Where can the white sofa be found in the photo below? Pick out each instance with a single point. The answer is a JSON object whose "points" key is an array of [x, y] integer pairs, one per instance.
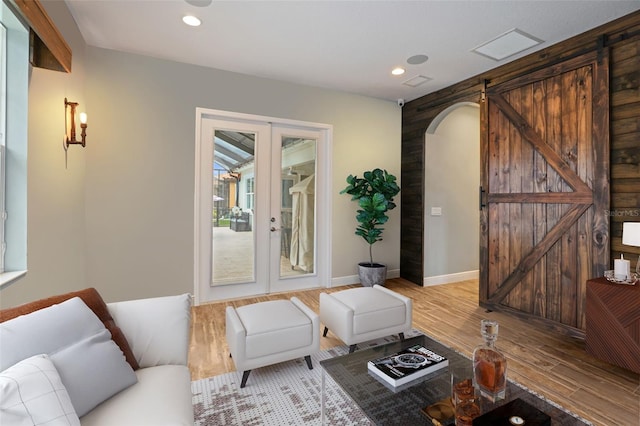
{"points": [[156, 394], [157, 330]]}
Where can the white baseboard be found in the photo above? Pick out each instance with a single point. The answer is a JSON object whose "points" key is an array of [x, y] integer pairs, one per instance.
{"points": [[354, 279], [451, 278]]}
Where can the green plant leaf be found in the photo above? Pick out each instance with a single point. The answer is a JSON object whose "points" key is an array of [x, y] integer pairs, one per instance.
{"points": [[374, 193]]}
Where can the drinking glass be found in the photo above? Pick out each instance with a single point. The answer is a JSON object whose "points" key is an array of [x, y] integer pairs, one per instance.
{"points": [[464, 395]]}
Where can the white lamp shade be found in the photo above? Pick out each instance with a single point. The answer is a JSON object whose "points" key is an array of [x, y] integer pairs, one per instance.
{"points": [[631, 234]]}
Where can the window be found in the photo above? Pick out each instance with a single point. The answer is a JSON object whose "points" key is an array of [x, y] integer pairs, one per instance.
{"points": [[14, 94], [250, 193], [3, 127], [3, 213]]}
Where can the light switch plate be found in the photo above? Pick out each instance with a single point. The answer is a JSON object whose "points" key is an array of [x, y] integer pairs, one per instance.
{"points": [[436, 211]]}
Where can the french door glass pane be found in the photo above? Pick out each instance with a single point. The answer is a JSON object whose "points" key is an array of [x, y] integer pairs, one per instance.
{"points": [[233, 242], [298, 193]]}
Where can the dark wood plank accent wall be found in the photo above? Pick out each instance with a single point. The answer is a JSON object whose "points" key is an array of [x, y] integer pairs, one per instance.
{"points": [[622, 40], [625, 141], [415, 121]]}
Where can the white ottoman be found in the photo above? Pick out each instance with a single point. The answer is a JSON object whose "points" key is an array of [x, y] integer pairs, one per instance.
{"points": [[360, 314], [270, 332]]}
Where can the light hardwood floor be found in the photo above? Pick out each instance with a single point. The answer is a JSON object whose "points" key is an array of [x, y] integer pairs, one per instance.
{"points": [[550, 364]]}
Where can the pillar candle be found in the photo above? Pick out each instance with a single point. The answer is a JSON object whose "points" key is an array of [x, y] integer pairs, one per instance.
{"points": [[622, 268]]}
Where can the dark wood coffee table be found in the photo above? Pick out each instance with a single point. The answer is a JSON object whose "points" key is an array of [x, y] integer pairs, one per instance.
{"points": [[383, 406]]}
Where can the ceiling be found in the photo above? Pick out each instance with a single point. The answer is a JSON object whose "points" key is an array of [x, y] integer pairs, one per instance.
{"points": [[344, 45]]}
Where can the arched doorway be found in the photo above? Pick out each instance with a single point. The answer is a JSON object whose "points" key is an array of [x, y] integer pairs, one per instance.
{"points": [[452, 179]]}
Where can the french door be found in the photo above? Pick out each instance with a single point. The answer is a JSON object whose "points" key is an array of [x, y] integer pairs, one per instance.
{"points": [[262, 205]]}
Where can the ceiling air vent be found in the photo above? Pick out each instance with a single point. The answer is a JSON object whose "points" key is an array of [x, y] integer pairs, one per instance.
{"points": [[507, 44], [416, 81]]}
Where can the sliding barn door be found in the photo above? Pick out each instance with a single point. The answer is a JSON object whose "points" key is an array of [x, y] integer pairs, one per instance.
{"points": [[545, 191]]}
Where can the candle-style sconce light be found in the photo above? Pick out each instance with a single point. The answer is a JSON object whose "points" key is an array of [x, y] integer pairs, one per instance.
{"points": [[70, 130]]}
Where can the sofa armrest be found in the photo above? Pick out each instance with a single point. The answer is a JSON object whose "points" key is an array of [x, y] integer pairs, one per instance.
{"points": [[157, 329]]}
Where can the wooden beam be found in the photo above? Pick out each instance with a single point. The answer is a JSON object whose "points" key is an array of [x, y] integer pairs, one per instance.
{"points": [[49, 50]]}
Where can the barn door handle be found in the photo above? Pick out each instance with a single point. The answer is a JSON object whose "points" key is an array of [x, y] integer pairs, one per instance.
{"points": [[481, 197]]}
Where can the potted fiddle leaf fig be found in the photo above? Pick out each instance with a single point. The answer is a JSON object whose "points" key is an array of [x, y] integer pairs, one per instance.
{"points": [[374, 193]]}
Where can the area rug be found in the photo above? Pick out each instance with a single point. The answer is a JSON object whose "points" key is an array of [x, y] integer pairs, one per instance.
{"points": [[287, 393]]}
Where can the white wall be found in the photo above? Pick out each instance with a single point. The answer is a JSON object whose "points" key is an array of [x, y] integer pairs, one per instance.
{"points": [[55, 195], [121, 217], [452, 179], [140, 170]]}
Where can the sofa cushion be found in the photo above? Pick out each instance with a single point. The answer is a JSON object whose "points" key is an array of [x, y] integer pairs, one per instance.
{"points": [[162, 397], [157, 328], [32, 393], [91, 366], [93, 300]]}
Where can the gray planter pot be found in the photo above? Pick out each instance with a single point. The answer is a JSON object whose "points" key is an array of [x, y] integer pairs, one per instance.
{"points": [[372, 274]]}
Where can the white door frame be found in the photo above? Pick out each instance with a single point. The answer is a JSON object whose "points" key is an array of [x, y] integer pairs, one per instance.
{"points": [[203, 200]]}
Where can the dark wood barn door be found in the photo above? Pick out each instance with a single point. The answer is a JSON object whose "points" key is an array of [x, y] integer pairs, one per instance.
{"points": [[545, 195]]}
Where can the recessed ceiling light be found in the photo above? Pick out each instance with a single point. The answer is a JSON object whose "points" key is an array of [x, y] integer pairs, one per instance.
{"points": [[199, 3], [417, 59], [507, 44], [397, 71], [192, 21]]}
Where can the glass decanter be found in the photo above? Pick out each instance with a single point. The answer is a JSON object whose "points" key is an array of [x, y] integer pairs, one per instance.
{"points": [[489, 364]]}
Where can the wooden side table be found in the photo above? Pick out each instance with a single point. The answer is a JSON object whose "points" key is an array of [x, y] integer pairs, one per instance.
{"points": [[613, 323]]}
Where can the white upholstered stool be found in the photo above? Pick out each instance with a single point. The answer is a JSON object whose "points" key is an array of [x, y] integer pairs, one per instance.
{"points": [[360, 314], [266, 333]]}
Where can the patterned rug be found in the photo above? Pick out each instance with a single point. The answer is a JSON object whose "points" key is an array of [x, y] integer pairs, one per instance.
{"points": [[287, 393]]}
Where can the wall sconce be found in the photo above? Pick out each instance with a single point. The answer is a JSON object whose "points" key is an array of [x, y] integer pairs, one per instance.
{"points": [[631, 237], [70, 133]]}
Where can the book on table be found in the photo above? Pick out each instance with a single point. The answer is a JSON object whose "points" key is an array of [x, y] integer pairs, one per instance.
{"points": [[407, 365]]}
